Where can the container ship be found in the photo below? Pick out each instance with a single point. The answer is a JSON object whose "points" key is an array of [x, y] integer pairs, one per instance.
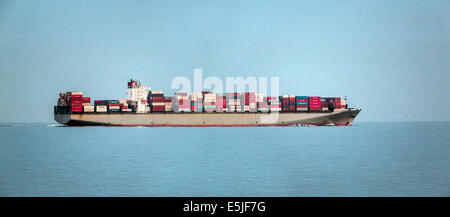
{"points": [[144, 107]]}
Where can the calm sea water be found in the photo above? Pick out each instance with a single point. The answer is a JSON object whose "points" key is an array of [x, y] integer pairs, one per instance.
{"points": [[367, 159]]}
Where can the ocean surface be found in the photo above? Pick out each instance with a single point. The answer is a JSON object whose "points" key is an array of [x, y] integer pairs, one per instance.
{"points": [[367, 159]]}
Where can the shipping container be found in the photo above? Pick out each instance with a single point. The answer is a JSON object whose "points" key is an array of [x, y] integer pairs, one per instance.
{"points": [[89, 108], [77, 108], [101, 108], [314, 103], [158, 108]]}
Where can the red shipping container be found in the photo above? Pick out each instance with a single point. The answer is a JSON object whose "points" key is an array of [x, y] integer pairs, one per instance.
{"points": [[74, 104], [77, 108], [156, 98], [337, 103], [76, 96], [86, 99], [75, 101], [315, 103], [158, 108]]}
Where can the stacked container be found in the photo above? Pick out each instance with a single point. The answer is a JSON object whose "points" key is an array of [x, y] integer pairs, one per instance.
{"points": [[301, 103], [248, 102], [292, 103], [124, 107], [168, 104], [314, 103], [113, 105], [209, 101], [181, 103], [156, 101], [75, 101], [140, 100], [288, 103], [234, 102], [87, 107], [107, 105], [86, 101], [261, 103], [196, 102], [274, 103], [337, 102], [221, 102]]}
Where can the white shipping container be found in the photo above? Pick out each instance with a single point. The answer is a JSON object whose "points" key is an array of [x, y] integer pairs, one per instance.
{"points": [[101, 109], [75, 93], [158, 103], [89, 108], [123, 101]]}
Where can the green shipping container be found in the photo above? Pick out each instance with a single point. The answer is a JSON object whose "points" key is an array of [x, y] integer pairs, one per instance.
{"points": [[301, 97]]}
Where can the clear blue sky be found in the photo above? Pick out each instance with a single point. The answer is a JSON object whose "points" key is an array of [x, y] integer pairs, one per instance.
{"points": [[391, 58]]}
